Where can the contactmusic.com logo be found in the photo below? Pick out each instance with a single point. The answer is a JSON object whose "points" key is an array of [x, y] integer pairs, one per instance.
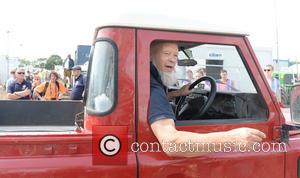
{"points": [[110, 145]]}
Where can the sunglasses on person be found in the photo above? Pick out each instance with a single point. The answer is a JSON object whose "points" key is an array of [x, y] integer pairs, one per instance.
{"points": [[20, 72], [267, 70]]}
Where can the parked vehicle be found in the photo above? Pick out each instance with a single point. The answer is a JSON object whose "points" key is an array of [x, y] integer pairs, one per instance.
{"points": [[287, 80]]}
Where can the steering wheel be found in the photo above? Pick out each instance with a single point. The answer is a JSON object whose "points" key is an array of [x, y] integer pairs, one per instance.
{"points": [[188, 110]]}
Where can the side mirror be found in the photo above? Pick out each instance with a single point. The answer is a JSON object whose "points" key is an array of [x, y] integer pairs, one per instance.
{"points": [[295, 104]]}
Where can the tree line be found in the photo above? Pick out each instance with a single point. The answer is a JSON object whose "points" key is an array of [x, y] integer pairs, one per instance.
{"points": [[46, 63]]}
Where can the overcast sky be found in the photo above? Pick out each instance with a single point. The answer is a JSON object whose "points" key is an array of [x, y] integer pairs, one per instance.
{"points": [[39, 28]]}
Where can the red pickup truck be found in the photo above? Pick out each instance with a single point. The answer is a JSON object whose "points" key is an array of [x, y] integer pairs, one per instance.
{"points": [[40, 139]]}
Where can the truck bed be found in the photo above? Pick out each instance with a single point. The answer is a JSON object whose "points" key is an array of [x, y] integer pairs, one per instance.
{"points": [[38, 113]]}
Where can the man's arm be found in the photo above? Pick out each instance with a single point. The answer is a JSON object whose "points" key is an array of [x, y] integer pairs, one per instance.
{"points": [[183, 91], [36, 93], [169, 137], [18, 94], [12, 96]]}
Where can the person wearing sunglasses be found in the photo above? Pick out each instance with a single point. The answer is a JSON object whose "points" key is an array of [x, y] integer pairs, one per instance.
{"points": [[19, 88], [273, 82]]}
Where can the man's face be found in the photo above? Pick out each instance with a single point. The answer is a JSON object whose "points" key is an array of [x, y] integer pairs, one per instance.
{"points": [[223, 75], [20, 74], [190, 74], [165, 57], [268, 72], [76, 73], [198, 75]]}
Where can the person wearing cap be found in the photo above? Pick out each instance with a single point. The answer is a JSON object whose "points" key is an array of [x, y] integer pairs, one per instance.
{"points": [[79, 85]]}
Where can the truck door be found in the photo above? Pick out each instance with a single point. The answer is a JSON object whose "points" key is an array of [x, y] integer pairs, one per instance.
{"points": [[249, 103]]}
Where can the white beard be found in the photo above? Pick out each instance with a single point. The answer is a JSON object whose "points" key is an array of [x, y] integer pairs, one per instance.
{"points": [[169, 79]]}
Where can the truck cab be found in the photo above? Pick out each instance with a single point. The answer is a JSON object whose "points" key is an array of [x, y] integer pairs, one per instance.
{"points": [[117, 96]]}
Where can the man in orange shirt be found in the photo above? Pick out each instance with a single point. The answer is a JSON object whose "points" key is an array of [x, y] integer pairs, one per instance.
{"points": [[52, 90]]}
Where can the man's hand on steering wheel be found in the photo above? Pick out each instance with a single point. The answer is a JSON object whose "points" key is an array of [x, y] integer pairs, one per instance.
{"points": [[188, 110], [183, 91]]}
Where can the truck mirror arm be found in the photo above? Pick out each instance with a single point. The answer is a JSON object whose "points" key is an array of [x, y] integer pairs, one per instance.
{"points": [[79, 120]]}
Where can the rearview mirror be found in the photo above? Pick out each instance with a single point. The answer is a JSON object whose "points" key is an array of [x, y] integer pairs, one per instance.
{"points": [[189, 61], [295, 104]]}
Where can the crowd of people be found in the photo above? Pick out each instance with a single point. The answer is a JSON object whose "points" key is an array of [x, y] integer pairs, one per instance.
{"points": [[46, 86], [226, 84], [223, 83]]}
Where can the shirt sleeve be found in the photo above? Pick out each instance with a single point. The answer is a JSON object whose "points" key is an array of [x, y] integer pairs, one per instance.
{"points": [[160, 107], [40, 87], [11, 87]]}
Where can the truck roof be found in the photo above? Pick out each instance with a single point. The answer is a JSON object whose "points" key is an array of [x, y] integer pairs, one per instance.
{"points": [[169, 23]]}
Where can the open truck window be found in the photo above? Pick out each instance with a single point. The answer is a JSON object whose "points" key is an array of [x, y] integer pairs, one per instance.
{"points": [[235, 98]]}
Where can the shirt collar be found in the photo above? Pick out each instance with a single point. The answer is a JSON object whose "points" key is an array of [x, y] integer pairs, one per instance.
{"points": [[78, 77]]}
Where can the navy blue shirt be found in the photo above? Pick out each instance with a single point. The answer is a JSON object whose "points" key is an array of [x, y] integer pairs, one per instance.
{"points": [[160, 107], [15, 87], [78, 88]]}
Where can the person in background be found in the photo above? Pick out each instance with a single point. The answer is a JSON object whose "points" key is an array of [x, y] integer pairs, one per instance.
{"points": [[272, 81], [189, 77], [19, 88], [11, 79], [52, 90], [200, 73], [224, 83], [36, 82], [28, 76], [79, 85], [68, 64]]}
